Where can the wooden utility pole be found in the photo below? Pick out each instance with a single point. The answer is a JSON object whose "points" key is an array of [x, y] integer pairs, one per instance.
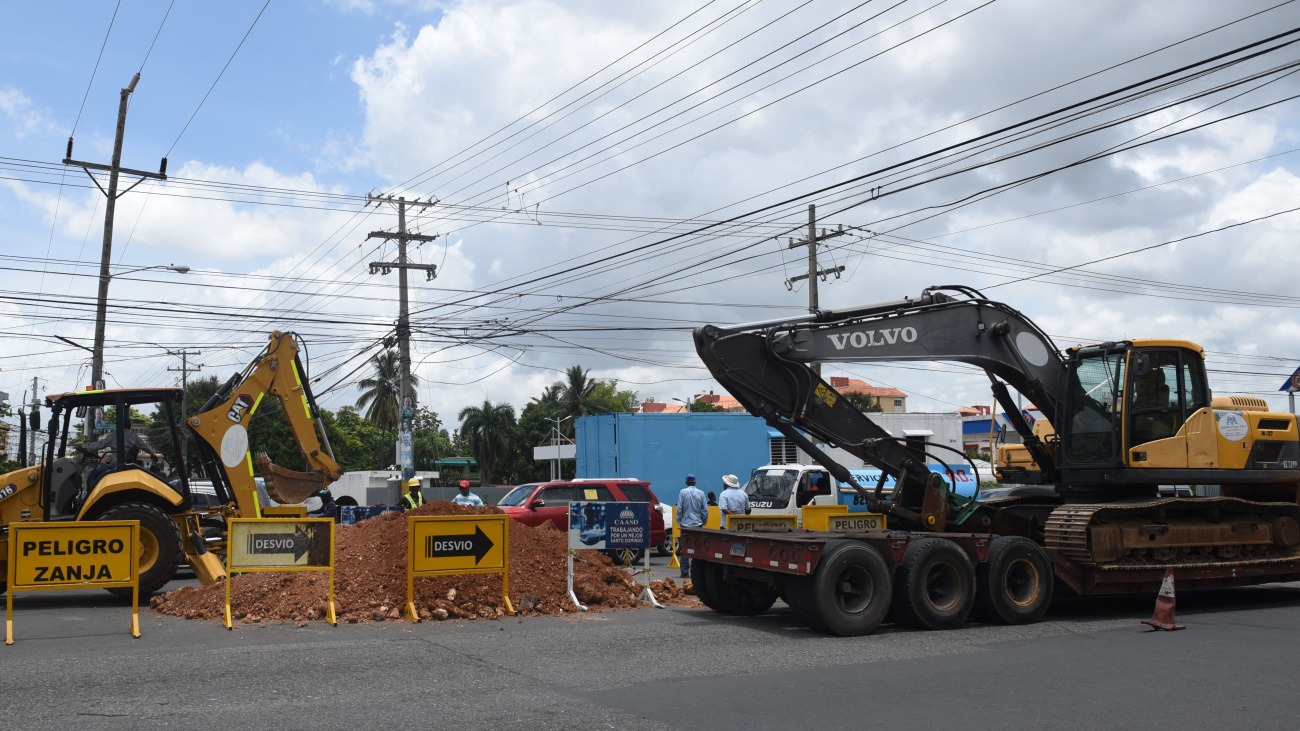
{"points": [[403, 317], [813, 271], [114, 170]]}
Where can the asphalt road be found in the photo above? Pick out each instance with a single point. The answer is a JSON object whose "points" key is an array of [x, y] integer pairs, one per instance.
{"points": [[1090, 665]]}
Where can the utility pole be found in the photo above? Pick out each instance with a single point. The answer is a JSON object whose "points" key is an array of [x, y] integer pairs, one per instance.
{"points": [[185, 371], [403, 317], [31, 437], [114, 170], [813, 271]]}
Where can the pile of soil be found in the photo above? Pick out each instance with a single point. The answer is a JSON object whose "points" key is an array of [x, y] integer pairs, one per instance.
{"points": [[370, 580]]}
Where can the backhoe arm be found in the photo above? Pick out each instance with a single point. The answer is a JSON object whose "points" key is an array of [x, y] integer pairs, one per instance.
{"points": [[222, 430]]}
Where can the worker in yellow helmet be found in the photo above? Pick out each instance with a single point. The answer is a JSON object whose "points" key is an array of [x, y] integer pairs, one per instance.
{"points": [[413, 498]]}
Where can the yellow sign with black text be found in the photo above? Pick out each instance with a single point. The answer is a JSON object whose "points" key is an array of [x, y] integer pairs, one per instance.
{"points": [[855, 522], [95, 554], [454, 544], [280, 544], [754, 522]]}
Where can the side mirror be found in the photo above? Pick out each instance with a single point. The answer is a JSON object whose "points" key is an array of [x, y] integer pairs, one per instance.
{"points": [[34, 419], [539, 503], [81, 411]]}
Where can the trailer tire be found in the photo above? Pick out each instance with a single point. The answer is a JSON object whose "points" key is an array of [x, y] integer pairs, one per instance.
{"points": [[740, 598], [1014, 586], [160, 545], [935, 586], [699, 582], [850, 592]]}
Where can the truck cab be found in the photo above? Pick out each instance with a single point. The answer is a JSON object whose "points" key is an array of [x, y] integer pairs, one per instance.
{"points": [[783, 489]]}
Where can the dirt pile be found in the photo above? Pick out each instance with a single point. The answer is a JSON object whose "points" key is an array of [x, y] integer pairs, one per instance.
{"points": [[370, 580]]}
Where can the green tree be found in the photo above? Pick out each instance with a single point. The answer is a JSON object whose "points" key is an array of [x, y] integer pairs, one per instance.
{"points": [[577, 396], [357, 443], [702, 407], [380, 392], [489, 430], [608, 399], [864, 403], [429, 440]]}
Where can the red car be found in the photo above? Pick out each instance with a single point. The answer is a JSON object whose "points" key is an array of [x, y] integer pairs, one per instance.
{"points": [[542, 502]]}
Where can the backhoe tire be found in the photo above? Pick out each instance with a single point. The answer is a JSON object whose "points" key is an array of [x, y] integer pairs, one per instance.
{"points": [[1014, 586], [740, 598], [935, 585], [700, 582], [851, 590], [159, 547]]}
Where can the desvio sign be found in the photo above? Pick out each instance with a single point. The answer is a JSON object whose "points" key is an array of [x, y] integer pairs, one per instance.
{"points": [[961, 477]]}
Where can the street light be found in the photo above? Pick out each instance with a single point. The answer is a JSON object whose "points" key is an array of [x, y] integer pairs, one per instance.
{"points": [[689, 400], [101, 314], [555, 442]]}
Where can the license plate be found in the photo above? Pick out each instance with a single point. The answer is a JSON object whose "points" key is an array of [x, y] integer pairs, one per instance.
{"points": [[737, 549]]}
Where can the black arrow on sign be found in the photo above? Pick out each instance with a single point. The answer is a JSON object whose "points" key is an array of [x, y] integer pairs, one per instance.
{"points": [[277, 543], [476, 545]]}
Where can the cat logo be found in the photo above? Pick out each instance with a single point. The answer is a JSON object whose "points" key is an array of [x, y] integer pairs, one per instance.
{"points": [[243, 403]]}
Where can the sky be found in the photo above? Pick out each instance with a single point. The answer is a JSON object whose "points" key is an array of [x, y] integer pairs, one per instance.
{"points": [[603, 177]]}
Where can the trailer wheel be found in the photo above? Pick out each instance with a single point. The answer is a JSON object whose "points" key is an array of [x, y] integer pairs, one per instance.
{"points": [[741, 598], [936, 585], [699, 581], [159, 547], [851, 590], [1014, 586]]}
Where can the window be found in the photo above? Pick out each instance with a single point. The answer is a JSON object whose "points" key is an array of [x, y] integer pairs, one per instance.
{"points": [[636, 493], [557, 495], [782, 451], [898, 403]]}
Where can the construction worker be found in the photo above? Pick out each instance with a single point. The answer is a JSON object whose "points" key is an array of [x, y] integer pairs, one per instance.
{"points": [[466, 497], [413, 498]]}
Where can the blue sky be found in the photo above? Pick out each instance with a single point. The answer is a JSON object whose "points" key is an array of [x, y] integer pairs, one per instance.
{"points": [[562, 240]]}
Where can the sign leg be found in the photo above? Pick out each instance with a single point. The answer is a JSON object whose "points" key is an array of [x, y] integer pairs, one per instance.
{"points": [[573, 597], [135, 609]]}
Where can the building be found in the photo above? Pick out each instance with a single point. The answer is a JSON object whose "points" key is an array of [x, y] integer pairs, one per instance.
{"points": [[891, 400]]}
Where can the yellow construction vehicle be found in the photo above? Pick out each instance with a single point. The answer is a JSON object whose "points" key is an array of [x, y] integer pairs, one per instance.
{"points": [[71, 482]]}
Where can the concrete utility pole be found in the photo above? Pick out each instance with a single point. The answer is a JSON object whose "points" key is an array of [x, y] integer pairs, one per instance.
{"points": [[813, 271], [31, 433], [115, 169], [401, 265], [185, 371]]}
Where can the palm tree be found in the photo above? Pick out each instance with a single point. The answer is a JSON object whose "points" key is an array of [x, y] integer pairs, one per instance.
{"points": [[489, 429], [577, 396], [381, 391]]}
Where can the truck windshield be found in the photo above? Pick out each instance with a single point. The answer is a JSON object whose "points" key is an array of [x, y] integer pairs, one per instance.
{"points": [[772, 484]]}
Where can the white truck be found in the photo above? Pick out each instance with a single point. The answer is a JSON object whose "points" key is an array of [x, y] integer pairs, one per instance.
{"points": [[783, 489]]}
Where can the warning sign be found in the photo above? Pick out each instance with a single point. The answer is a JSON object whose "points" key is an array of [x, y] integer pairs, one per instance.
{"points": [[753, 522], [456, 545], [279, 544], [81, 554], [452, 544], [98, 554], [855, 522]]}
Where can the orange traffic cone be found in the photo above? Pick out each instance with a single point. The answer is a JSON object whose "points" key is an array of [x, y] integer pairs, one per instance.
{"points": [[1164, 614]]}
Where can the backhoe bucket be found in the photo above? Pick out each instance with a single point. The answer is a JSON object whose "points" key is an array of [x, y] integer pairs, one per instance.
{"points": [[288, 486]]}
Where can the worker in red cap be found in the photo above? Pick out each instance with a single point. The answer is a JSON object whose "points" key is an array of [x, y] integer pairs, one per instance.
{"points": [[466, 497]]}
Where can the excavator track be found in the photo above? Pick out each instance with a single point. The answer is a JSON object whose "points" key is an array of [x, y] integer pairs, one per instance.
{"points": [[1175, 533]]}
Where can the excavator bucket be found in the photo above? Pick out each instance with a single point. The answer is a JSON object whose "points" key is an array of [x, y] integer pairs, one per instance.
{"points": [[288, 486]]}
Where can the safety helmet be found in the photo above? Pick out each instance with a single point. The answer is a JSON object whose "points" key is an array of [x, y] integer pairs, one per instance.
{"points": [[413, 482]]}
